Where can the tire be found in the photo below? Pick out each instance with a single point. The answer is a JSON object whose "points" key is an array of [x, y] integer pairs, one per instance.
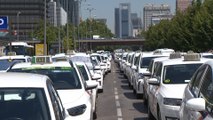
{"points": [[150, 115], [144, 98], [139, 96], [94, 115], [159, 113], [100, 90]]}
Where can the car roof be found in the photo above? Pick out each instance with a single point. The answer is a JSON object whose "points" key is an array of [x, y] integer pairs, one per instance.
{"points": [[209, 62], [53, 64], [151, 54], [182, 61], [11, 80], [14, 57]]}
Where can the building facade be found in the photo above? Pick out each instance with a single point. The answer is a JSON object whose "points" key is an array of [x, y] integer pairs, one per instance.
{"points": [[123, 24], [150, 10], [182, 5], [72, 9], [24, 16], [136, 24]]}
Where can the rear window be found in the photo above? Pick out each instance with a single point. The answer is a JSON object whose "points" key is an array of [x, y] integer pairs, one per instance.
{"points": [[179, 74], [62, 77]]}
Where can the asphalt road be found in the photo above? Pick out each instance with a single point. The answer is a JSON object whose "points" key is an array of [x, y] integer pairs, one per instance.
{"points": [[117, 102]]}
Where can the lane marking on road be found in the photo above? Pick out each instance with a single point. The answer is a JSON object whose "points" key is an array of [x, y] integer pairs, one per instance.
{"points": [[120, 118], [119, 113], [116, 97], [118, 104]]}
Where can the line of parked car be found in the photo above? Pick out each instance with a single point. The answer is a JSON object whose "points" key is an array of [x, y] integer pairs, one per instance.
{"points": [[173, 85], [59, 87]]}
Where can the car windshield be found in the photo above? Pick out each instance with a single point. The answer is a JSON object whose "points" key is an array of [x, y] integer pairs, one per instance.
{"points": [[85, 59], [62, 77], [179, 74], [6, 63], [23, 103], [146, 61]]}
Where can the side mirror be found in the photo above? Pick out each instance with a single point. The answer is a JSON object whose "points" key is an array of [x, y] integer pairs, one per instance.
{"points": [[148, 74], [96, 76], [91, 85], [97, 68], [153, 81], [196, 104], [134, 67]]}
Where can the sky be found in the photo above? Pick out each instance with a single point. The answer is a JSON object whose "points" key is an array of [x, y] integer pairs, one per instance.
{"points": [[105, 8]]}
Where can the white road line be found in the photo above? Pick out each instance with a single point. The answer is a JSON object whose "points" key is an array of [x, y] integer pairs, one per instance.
{"points": [[118, 104], [120, 118], [116, 97], [119, 113]]}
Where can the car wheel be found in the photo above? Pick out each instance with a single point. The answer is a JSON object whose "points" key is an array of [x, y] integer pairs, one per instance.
{"points": [[100, 90], [159, 113], [150, 115], [139, 96], [94, 115], [144, 99]]}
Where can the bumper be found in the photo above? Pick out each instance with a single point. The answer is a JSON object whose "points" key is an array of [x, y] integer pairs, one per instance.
{"points": [[170, 112]]}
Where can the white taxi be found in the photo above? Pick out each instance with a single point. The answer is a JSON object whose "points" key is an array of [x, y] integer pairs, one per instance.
{"points": [[27, 96], [151, 69], [197, 103], [8, 61], [142, 71], [88, 60], [167, 85], [67, 80], [90, 78]]}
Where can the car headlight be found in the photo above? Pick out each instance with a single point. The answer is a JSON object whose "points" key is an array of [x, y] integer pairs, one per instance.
{"points": [[77, 110], [172, 101], [140, 76]]}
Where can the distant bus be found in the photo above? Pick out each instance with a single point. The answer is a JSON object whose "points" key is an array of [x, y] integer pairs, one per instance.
{"points": [[21, 48]]}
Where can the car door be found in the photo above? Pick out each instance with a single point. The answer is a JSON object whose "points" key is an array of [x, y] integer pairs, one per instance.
{"points": [[58, 109], [154, 89], [206, 92], [192, 91]]}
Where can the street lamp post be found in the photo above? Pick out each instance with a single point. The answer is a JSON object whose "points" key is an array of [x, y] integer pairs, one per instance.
{"points": [[45, 27], [18, 13], [90, 17]]}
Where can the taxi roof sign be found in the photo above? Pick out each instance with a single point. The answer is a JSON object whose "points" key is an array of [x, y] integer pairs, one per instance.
{"points": [[41, 59], [190, 56], [70, 52], [175, 55]]}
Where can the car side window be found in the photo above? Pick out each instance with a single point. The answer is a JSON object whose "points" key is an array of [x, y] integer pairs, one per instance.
{"points": [[57, 106], [196, 79], [207, 86], [157, 71], [83, 71]]}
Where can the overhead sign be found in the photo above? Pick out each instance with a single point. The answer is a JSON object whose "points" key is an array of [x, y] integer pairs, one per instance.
{"points": [[3, 22]]}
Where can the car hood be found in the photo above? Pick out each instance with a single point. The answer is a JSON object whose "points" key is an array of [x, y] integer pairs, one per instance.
{"points": [[173, 90], [143, 70], [71, 96]]}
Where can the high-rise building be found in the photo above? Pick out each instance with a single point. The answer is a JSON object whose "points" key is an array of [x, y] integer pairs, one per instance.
{"points": [[150, 10], [123, 23], [182, 5], [156, 18], [24, 16], [136, 24], [117, 23], [52, 13], [72, 9]]}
